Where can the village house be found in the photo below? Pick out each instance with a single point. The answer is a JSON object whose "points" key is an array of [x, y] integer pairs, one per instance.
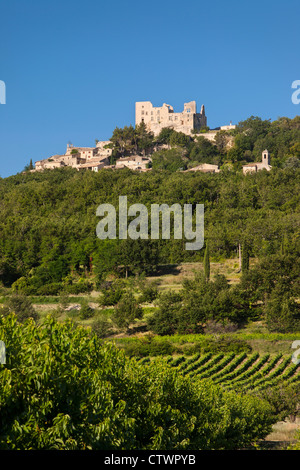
{"points": [[102, 148], [134, 162], [92, 166], [205, 168], [84, 152], [91, 152], [48, 164]]}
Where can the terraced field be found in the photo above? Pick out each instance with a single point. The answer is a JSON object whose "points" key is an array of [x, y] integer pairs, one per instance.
{"points": [[242, 372]]}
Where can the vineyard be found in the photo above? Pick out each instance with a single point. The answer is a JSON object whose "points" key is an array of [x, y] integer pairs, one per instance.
{"points": [[241, 372]]}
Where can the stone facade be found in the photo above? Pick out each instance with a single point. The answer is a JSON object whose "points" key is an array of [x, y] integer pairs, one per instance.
{"points": [[134, 162], [205, 168], [156, 118], [102, 150], [87, 153], [92, 166]]}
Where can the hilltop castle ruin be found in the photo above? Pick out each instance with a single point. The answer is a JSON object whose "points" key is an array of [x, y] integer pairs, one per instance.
{"points": [[156, 118]]}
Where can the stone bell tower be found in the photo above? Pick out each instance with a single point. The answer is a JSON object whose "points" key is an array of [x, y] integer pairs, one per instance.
{"points": [[266, 157]]}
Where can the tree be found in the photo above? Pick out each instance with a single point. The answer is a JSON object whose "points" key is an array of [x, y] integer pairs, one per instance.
{"points": [[170, 160], [126, 311], [102, 326], [212, 300], [179, 139], [164, 135], [281, 312], [221, 140], [149, 291], [206, 262], [284, 400], [167, 317], [245, 257], [138, 256], [86, 311], [292, 162], [29, 166], [144, 139], [21, 306], [111, 294], [202, 150], [123, 140]]}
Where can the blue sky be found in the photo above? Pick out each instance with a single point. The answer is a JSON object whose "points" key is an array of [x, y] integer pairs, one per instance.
{"points": [[73, 69]]}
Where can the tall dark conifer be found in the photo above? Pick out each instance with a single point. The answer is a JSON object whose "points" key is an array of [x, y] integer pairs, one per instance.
{"points": [[245, 257], [206, 262]]}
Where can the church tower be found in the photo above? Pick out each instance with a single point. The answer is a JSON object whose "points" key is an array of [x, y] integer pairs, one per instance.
{"points": [[266, 157]]}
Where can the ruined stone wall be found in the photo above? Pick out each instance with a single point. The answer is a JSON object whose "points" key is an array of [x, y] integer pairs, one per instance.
{"points": [[156, 118]]}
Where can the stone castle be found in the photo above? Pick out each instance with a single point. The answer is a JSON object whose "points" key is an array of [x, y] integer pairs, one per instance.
{"points": [[156, 118]]}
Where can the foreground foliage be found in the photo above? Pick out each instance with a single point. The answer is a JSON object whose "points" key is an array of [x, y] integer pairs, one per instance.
{"points": [[63, 388]]}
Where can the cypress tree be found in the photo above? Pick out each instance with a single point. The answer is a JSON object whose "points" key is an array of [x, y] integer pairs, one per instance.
{"points": [[206, 262], [245, 257]]}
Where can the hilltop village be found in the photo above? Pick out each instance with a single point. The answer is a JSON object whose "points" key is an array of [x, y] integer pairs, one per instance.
{"points": [[154, 119]]}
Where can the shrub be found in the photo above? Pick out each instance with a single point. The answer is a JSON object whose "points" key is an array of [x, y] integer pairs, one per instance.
{"points": [[148, 346], [21, 306], [80, 287], [86, 311], [214, 327], [167, 319], [225, 345], [149, 292], [110, 295], [281, 312], [53, 288], [101, 326], [284, 400], [23, 286], [126, 311]]}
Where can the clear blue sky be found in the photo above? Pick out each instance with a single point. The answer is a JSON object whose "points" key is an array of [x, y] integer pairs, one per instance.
{"points": [[73, 69]]}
